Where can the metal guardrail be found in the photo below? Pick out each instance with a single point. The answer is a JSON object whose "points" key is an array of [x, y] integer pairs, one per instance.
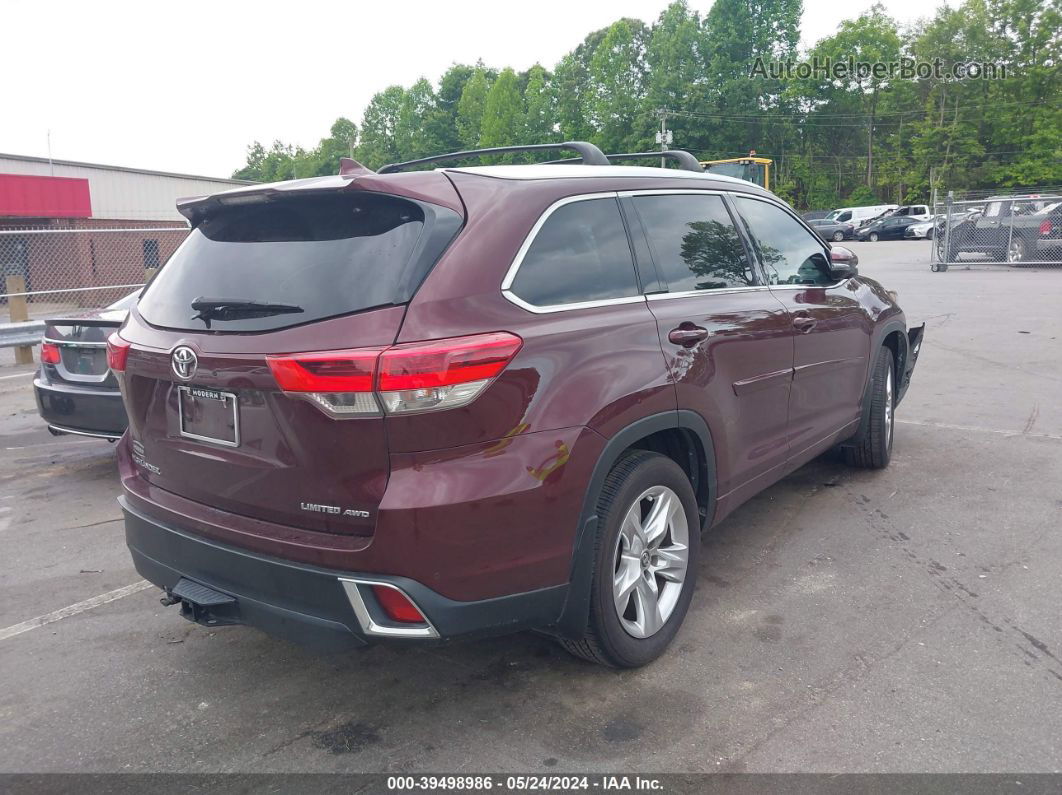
{"points": [[13, 335]]}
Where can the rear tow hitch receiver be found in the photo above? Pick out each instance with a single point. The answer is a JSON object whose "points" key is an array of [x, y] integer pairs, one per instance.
{"points": [[202, 605]]}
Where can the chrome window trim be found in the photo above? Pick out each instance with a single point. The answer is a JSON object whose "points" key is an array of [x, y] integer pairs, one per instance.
{"points": [[518, 260], [629, 194], [369, 626], [703, 293]]}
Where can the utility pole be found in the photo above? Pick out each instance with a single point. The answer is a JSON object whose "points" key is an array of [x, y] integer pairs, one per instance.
{"points": [[665, 136]]}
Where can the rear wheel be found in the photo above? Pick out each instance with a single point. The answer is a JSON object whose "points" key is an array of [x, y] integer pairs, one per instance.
{"points": [[645, 562], [875, 449], [838, 236], [873, 237], [1016, 252]]}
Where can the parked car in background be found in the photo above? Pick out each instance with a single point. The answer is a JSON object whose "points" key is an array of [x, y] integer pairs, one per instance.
{"points": [[890, 227], [857, 216], [418, 405], [1008, 229], [832, 230], [923, 229], [75, 390]]}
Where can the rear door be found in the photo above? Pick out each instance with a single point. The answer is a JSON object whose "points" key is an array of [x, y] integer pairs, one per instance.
{"points": [[832, 330], [208, 420], [727, 342]]}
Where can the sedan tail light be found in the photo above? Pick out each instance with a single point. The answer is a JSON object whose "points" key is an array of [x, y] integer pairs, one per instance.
{"points": [[50, 353], [1045, 228], [117, 352], [405, 378]]}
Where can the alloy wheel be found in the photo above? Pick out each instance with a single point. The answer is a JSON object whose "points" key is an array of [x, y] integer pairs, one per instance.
{"points": [[650, 562]]}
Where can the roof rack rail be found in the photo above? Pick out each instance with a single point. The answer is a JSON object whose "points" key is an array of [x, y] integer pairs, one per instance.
{"points": [[588, 153], [685, 160]]}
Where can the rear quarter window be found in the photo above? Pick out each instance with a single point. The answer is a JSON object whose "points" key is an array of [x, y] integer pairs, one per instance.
{"points": [[579, 254]]}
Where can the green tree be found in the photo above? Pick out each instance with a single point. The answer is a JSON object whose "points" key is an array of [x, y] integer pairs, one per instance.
{"points": [[573, 91], [676, 77], [413, 135], [503, 114], [377, 145], [618, 77], [471, 106], [540, 116]]}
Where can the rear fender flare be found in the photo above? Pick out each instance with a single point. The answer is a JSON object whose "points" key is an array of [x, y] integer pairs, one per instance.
{"points": [[574, 615]]}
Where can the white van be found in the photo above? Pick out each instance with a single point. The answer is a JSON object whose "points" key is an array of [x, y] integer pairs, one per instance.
{"points": [[858, 216]]}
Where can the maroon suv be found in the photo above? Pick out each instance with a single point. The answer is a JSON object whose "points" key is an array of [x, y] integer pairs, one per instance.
{"points": [[420, 405]]}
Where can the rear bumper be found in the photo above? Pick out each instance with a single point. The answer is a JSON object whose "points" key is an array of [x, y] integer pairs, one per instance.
{"points": [[81, 410], [312, 606]]}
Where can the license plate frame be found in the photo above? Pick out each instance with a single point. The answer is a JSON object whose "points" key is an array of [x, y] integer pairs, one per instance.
{"points": [[188, 392]]}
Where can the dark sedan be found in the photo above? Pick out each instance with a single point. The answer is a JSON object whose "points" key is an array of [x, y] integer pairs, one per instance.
{"points": [[76, 392], [832, 230], [891, 227]]}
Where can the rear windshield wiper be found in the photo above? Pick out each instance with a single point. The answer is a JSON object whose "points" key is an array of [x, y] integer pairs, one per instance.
{"points": [[232, 308]]}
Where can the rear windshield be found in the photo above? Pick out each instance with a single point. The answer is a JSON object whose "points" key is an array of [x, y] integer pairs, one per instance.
{"points": [[308, 258]]}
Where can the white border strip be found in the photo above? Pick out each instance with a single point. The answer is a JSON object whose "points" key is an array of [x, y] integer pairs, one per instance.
{"points": [[73, 610]]}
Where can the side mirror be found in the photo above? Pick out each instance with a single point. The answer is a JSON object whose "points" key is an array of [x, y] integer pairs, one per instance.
{"points": [[843, 262]]}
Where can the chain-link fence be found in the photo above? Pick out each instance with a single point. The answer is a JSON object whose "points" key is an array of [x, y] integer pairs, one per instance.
{"points": [[1017, 230], [52, 270]]}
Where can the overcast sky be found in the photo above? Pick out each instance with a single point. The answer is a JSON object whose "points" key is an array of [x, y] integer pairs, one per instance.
{"points": [[185, 86]]}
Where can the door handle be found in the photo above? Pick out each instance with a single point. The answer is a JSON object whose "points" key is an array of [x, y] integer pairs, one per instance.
{"points": [[804, 324], [687, 335]]}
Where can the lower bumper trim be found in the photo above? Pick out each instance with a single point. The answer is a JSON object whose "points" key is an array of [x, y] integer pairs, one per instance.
{"points": [[312, 606]]}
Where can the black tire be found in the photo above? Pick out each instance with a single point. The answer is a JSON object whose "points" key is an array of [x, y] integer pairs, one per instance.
{"points": [[875, 449], [873, 237], [606, 641], [838, 236]]}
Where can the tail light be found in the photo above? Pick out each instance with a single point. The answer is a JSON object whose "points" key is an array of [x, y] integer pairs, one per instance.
{"points": [[50, 353], [117, 353], [1045, 228], [411, 377]]}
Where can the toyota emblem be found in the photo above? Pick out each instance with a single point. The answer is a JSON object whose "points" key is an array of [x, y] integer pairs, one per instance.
{"points": [[184, 362]]}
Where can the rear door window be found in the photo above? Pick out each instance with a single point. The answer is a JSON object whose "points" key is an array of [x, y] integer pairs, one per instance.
{"points": [[694, 242], [580, 254], [317, 256]]}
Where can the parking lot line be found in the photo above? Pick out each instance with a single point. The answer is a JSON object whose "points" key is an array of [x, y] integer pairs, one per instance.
{"points": [[980, 429], [74, 609], [17, 375]]}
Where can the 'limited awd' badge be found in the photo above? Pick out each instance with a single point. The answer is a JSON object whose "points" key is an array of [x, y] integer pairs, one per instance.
{"points": [[316, 507]]}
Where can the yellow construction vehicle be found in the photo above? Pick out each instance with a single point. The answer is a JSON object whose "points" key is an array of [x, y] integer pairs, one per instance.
{"points": [[756, 170]]}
